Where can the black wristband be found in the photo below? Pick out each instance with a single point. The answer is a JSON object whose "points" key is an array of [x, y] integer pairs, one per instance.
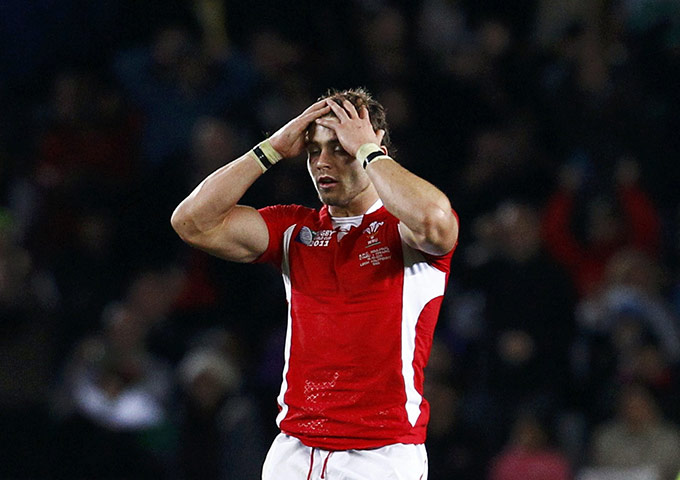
{"points": [[372, 156], [262, 158]]}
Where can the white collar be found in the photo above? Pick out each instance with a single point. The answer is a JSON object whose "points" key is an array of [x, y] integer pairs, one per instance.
{"points": [[343, 220], [374, 208]]}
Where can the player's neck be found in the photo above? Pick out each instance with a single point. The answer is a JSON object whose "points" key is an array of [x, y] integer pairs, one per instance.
{"points": [[358, 206]]}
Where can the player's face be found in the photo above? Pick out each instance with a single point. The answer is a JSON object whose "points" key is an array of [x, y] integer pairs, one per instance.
{"points": [[338, 177]]}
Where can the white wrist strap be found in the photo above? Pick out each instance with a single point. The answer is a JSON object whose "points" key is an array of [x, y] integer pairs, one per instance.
{"points": [[369, 152], [265, 155]]}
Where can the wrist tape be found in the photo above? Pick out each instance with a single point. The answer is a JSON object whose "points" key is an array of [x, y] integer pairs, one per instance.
{"points": [[369, 152], [265, 155]]}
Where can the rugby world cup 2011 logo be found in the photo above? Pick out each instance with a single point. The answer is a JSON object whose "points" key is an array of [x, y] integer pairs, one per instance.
{"points": [[306, 236], [310, 238]]}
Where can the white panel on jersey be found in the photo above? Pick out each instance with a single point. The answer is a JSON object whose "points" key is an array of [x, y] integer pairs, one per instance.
{"points": [[422, 283], [285, 270]]}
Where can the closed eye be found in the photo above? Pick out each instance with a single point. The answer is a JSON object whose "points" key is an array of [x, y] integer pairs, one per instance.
{"points": [[337, 149]]}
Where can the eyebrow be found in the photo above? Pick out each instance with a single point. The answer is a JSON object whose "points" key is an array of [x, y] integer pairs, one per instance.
{"points": [[329, 142]]}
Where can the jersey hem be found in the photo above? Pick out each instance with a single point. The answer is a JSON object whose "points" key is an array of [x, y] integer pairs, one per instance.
{"points": [[335, 444]]}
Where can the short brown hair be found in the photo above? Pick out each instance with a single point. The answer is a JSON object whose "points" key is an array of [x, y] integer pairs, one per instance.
{"points": [[360, 97]]}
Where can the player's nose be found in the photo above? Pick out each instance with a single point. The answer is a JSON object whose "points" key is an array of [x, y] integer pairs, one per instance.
{"points": [[325, 159]]}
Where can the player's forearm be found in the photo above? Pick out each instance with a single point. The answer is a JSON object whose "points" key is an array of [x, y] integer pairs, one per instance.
{"points": [[418, 204], [211, 201]]}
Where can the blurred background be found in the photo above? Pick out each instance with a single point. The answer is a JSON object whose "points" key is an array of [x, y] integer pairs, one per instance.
{"points": [[552, 126]]}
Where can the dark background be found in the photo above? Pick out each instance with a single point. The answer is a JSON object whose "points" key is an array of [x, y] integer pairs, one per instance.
{"points": [[551, 126]]}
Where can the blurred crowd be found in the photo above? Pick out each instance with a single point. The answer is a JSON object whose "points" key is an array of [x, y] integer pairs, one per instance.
{"points": [[552, 126]]}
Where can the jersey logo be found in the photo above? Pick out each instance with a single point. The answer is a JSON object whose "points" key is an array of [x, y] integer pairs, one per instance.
{"points": [[373, 227], [371, 231], [305, 236], [310, 238]]}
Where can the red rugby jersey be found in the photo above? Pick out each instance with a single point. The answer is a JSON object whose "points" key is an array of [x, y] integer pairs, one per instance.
{"points": [[361, 316]]}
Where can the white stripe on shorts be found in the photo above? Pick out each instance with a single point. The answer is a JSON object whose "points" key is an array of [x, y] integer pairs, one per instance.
{"points": [[290, 459]]}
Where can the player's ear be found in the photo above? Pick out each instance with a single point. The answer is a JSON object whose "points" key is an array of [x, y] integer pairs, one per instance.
{"points": [[381, 134]]}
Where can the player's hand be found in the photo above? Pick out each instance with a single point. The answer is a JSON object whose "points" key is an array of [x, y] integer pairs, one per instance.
{"points": [[289, 140], [352, 128]]}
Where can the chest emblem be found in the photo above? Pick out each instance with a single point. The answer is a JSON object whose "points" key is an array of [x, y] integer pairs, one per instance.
{"points": [[371, 231], [310, 238], [373, 227], [375, 254]]}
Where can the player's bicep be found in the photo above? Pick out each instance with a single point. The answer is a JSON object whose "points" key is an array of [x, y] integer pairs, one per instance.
{"points": [[241, 237]]}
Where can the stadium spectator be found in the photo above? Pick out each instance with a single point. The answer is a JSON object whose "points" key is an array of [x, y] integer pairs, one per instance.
{"points": [[528, 319], [610, 224], [638, 436], [173, 82], [529, 455], [220, 435]]}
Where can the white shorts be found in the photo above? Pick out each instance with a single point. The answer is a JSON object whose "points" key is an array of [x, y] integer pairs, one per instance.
{"points": [[290, 459]]}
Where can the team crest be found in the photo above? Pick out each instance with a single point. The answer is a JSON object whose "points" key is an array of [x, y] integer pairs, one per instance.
{"points": [[371, 230], [373, 227]]}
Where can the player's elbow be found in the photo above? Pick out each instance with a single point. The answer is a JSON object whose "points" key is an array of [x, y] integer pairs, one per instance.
{"points": [[440, 228], [183, 224]]}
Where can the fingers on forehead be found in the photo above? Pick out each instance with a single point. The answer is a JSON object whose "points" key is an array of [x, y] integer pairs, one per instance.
{"points": [[342, 102], [318, 105], [319, 112]]}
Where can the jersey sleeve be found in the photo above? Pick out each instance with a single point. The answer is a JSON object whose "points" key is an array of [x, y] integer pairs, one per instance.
{"points": [[278, 219], [440, 262]]}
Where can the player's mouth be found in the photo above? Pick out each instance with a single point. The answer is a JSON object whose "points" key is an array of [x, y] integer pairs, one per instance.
{"points": [[326, 182]]}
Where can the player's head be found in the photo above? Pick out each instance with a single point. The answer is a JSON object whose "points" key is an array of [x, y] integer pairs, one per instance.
{"points": [[360, 97], [339, 178]]}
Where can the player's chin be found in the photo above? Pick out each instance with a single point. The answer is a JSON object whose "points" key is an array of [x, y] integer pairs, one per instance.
{"points": [[326, 198], [330, 199]]}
